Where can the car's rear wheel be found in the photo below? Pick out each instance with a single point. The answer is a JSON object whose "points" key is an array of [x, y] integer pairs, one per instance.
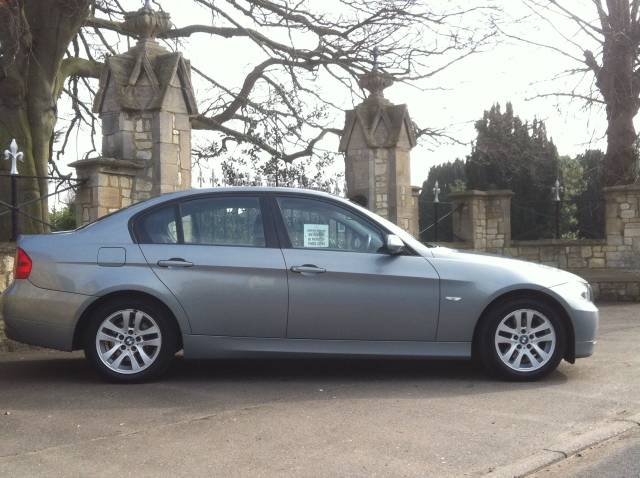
{"points": [[130, 340], [522, 339]]}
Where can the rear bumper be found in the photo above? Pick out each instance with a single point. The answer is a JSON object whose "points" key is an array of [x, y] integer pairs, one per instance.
{"points": [[39, 333], [42, 317]]}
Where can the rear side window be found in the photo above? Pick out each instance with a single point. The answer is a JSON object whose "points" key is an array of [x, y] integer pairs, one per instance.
{"points": [[223, 221], [158, 227], [214, 221]]}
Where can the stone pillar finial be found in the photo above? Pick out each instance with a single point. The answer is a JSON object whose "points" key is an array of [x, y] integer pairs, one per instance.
{"points": [[375, 53], [147, 23], [375, 81]]}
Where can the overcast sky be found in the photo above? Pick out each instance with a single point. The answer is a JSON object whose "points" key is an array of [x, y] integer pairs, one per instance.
{"points": [[508, 71]]}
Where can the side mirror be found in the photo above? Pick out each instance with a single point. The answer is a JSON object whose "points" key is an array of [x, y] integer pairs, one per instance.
{"points": [[394, 244]]}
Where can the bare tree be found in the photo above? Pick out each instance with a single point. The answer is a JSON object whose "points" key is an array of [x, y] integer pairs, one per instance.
{"points": [[51, 48], [601, 39]]}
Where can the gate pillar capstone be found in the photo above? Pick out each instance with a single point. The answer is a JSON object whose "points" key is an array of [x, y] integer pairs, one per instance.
{"points": [[377, 140], [145, 101]]}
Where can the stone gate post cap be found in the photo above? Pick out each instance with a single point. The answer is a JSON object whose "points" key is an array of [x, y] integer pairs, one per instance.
{"points": [[467, 194], [500, 192], [477, 193], [111, 163]]}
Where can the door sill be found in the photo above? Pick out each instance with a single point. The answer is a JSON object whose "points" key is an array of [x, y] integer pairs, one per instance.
{"points": [[207, 346]]}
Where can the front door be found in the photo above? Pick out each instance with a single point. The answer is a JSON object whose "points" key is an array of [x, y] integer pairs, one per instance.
{"points": [[213, 254], [342, 283]]}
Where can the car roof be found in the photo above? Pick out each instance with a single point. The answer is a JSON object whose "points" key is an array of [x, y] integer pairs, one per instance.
{"points": [[126, 213], [253, 189], [234, 189]]}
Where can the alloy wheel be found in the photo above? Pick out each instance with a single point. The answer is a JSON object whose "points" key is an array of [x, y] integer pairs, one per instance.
{"points": [[525, 340], [128, 341]]}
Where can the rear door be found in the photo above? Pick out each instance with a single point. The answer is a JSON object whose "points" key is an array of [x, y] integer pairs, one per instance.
{"points": [[219, 256]]}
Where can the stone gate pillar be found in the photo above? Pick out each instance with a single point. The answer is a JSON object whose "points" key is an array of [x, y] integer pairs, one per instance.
{"points": [[377, 140], [482, 219], [145, 100], [622, 222]]}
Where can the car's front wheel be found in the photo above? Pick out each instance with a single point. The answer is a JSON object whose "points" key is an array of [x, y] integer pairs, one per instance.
{"points": [[522, 339], [130, 340]]}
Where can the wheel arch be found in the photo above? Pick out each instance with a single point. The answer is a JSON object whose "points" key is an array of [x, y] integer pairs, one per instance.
{"points": [[83, 320], [551, 301]]}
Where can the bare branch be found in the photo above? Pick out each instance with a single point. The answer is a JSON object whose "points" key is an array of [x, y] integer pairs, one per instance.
{"points": [[588, 99], [204, 123]]}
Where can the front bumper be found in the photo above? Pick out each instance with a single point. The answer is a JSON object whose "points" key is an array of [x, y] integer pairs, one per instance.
{"points": [[42, 317], [585, 328], [585, 349], [584, 316]]}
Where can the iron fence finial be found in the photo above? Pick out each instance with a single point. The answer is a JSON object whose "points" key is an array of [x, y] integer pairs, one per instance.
{"points": [[557, 189], [12, 154]]}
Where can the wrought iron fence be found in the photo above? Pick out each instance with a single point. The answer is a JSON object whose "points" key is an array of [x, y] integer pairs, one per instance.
{"points": [[544, 219], [436, 221], [15, 208]]}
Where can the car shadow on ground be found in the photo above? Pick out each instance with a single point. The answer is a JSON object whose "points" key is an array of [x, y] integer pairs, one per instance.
{"points": [[59, 382], [61, 368]]}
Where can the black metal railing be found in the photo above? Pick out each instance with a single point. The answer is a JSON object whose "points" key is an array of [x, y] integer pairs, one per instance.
{"points": [[17, 209], [574, 218], [436, 221]]}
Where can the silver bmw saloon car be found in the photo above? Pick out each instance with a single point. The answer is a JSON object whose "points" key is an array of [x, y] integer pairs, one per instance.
{"points": [[239, 272]]}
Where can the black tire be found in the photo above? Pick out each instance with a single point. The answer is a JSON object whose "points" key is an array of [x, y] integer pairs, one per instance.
{"points": [[168, 345], [487, 350]]}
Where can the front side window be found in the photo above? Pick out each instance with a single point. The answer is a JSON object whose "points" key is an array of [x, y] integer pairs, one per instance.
{"points": [[223, 221], [313, 224]]}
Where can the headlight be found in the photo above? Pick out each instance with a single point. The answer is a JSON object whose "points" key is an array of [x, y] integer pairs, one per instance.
{"points": [[576, 289]]}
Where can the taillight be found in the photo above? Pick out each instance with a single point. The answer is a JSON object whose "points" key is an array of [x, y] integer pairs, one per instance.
{"points": [[23, 265]]}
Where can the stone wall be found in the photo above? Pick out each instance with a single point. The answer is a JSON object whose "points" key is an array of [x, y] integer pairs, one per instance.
{"points": [[7, 256], [481, 221], [562, 253]]}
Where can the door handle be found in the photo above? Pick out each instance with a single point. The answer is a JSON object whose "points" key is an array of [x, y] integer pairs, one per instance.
{"points": [[308, 269], [175, 262]]}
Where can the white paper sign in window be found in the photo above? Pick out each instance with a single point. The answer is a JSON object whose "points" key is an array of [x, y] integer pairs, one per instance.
{"points": [[316, 235]]}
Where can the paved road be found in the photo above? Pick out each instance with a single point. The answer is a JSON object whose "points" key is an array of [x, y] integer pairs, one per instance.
{"points": [[306, 418], [615, 458]]}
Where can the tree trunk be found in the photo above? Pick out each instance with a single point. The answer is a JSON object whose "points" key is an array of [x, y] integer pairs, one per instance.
{"points": [[621, 153], [34, 35], [616, 82], [619, 86]]}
